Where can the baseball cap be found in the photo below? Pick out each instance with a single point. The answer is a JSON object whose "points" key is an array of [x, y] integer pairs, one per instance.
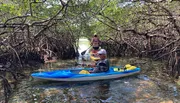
{"points": [[102, 51]]}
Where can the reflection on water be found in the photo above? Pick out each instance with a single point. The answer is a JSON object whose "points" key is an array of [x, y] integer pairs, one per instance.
{"points": [[143, 77], [87, 91]]}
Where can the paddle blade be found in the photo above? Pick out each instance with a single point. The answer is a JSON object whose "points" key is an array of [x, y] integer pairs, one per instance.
{"points": [[82, 53], [76, 64]]}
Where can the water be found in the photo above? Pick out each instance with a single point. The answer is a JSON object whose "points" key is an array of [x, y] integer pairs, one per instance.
{"points": [[147, 87], [125, 90], [84, 45]]}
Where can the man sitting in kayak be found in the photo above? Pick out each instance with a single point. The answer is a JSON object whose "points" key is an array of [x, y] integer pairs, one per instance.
{"points": [[101, 65]]}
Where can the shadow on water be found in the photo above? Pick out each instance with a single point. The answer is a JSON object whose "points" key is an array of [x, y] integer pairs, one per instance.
{"points": [[59, 85]]}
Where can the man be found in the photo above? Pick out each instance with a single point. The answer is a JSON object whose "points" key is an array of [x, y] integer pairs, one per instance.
{"points": [[102, 65]]}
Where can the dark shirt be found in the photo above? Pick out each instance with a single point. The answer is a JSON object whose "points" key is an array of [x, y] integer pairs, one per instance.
{"points": [[102, 65]]}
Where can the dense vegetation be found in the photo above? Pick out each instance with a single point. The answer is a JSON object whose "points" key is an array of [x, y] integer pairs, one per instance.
{"points": [[32, 28]]}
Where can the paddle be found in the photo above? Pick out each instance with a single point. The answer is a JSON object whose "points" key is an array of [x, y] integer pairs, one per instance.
{"points": [[76, 64], [82, 53]]}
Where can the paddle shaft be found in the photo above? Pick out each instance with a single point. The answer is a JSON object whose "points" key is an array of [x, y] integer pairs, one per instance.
{"points": [[82, 53]]}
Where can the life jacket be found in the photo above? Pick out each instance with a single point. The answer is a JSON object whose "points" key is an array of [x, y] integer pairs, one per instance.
{"points": [[102, 65]]}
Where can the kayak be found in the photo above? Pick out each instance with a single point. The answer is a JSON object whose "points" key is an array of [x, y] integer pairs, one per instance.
{"points": [[78, 75], [94, 56]]}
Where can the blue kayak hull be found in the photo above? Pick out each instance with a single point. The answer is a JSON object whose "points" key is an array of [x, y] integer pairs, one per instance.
{"points": [[73, 75]]}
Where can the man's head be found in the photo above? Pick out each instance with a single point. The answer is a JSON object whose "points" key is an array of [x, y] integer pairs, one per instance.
{"points": [[102, 53], [95, 35]]}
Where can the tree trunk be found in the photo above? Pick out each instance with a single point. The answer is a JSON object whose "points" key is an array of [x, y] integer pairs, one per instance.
{"points": [[177, 62]]}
